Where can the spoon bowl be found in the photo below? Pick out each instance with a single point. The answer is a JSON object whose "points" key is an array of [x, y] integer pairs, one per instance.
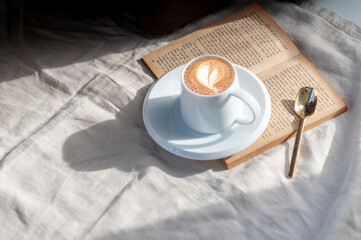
{"points": [[305, 104]]}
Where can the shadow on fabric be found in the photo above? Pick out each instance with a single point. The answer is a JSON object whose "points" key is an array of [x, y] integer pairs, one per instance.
{"points": [[124, 143]]}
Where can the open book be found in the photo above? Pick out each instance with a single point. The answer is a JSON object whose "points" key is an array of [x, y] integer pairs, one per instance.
{"points": [[252, 39]]}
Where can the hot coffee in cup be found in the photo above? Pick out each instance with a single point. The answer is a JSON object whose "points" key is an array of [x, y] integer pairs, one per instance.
{"points": [[211, 97], [209, 75]]}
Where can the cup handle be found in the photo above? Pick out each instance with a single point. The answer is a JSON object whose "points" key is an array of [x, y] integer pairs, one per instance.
{"points": [[252, 104]]}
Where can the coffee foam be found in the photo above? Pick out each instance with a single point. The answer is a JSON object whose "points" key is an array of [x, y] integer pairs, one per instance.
{"points": [[209, 75]]}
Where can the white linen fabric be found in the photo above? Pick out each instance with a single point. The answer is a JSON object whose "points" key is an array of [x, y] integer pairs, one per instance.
{"points": [[78, 163]]}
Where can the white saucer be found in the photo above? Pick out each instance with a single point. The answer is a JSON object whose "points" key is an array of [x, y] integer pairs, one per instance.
{"points": [[163, 122]]}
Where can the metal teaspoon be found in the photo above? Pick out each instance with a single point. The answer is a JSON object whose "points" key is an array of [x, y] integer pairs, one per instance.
{"points": [[305, 106]]}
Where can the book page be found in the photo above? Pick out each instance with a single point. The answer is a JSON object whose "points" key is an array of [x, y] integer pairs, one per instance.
{"points": [[249, 38], [283, 82]]}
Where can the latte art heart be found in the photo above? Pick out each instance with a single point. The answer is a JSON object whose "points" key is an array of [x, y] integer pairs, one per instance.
{"points": [[209, 75]]}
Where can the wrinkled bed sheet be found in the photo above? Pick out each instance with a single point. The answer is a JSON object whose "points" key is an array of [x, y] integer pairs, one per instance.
{"points": [[78, 163]]}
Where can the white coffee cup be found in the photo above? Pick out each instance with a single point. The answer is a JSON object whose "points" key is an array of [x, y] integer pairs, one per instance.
{"points": [[212, 114]]}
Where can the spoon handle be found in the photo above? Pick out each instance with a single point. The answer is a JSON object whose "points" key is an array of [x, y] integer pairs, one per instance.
{"points": [[301, 125]]}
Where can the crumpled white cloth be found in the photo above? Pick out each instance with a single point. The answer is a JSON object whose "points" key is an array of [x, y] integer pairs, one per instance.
{"points": [[78, 163]]}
